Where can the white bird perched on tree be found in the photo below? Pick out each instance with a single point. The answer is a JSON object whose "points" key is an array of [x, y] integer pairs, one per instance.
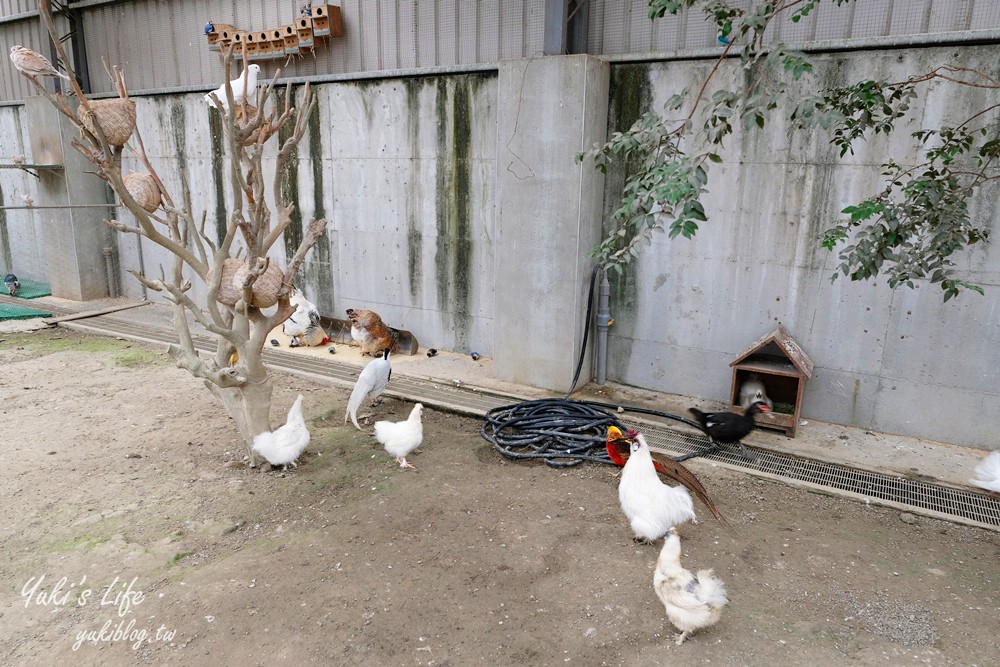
{"points": [[283, 446], [33, 63], [651, 506], [240, 86], [372, 381], [988, 473], [692, 601], [401, 438]]}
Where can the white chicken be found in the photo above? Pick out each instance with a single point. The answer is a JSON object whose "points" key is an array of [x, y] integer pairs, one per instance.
{"points": [[692, 601], [240, 86], [401, 438], [372, 381], [651, 506], [988, 473], [282, 447]]}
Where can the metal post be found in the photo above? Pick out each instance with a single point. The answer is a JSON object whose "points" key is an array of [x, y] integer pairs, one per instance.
{"points": [[604, 323]]}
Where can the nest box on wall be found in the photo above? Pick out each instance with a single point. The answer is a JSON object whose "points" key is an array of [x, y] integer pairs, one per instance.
{"points": [[783, 368]]}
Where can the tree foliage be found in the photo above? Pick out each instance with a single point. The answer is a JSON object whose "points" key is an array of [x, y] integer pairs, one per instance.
{"points": [[908, 231]]}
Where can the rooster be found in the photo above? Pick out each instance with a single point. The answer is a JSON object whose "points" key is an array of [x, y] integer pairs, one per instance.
{"points": [[11, 283], [618, 448], [726, 427], [401, 438], [303, 326], [284, 446], [988, 473], [752, 390], [372, 381], [692, 601], [370, 332], [651, 506]]}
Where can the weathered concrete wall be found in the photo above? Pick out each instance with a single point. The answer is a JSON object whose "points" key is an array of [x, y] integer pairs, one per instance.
{"points": [[21, 248], [891, 360], [404, 172], [407, 171], [548, 213]]}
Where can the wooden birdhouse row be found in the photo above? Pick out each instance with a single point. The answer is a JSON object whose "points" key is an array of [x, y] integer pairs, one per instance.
{"points": [[291, 39]]}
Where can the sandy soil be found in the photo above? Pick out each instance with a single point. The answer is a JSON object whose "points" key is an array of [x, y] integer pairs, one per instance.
{"points": [[124, 480]]}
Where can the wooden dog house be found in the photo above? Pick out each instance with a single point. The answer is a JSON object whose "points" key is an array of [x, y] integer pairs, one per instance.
{"points": [[783, 367]]}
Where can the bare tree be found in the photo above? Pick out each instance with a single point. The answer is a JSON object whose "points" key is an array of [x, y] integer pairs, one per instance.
{"points": [[243, 282]]}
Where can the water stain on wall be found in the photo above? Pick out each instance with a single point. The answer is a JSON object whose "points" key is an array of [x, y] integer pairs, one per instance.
{"points": [[318, 271], [453, 256], [414, 199], [218, 166], [630, 94], [178, 123]]}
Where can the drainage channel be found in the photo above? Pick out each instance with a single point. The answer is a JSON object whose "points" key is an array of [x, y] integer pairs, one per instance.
{"points": [[958, 505]]}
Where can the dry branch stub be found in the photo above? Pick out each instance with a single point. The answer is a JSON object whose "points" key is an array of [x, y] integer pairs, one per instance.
{"points": [[143, 189], [265, 289], [116, 117]]}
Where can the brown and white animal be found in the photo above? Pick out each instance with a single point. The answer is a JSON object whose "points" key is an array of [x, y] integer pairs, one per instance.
{"points": [[651, 506], [401, 438], [283, 446], [303, 326], [692, 601], [370, 332], [32, 63]]}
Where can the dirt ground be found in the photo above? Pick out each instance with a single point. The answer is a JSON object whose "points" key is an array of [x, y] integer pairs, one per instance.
{"points": [[125, 481]]}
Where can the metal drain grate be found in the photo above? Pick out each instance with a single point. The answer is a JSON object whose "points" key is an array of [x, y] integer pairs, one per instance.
{"points": [[975, 508], [959, 505]]}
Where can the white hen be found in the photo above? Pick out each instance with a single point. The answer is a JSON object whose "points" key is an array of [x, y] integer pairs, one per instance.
{"points": [[651, 506], [372, 381], [283, 446], [692, 601], [240, 86], [752, 390], [988, 473], [401, 438]]}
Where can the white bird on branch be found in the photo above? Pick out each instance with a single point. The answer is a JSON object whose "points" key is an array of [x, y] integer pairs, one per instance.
{"points": [[240, 86]]}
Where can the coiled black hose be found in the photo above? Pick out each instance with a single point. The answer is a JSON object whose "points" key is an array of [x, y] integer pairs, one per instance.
{"points": [[561, 432]]}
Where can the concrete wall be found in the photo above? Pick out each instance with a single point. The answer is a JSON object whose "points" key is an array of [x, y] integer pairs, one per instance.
{"points": [[892, 360], [404, 172], [424, 228], [22, 250]]}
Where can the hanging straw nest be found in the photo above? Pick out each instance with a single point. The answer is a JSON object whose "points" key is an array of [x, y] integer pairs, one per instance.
{"points": [[116, 117], [143, 189], [265, 288]]}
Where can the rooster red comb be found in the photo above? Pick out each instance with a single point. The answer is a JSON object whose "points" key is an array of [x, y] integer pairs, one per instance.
{"points": [[631, 434]]}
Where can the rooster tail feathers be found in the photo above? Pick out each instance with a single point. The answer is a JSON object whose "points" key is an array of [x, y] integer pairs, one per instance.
{"points": [[681, 474]]}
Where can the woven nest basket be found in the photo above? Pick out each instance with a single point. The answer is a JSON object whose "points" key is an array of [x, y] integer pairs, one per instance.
{"points": [[143, 189], [116, 117], [265, 288]]}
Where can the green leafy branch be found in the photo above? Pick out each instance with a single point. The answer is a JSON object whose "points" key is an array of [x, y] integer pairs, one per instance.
{"points": [[672, 156]]}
